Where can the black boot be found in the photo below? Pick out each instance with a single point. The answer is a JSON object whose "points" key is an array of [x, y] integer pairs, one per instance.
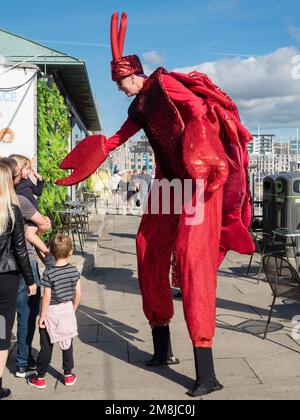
{"points": [[163, 354], [4, 393], [206, 381]]}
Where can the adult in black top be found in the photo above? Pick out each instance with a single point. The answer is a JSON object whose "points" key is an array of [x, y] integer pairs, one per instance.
{"points": [[28, 189], [13, 260]]}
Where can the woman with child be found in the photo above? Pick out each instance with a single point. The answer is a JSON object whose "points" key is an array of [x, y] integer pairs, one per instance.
{"points": [[13, 261]]}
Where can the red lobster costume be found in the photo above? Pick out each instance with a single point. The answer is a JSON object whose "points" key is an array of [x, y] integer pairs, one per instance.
{"points": [[195, 132]]}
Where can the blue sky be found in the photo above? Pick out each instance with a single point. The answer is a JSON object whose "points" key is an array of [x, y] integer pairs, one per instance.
{"points": [[176, 34]]}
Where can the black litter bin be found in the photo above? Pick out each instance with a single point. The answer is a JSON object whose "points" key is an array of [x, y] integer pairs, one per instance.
{"points": [[269, 196], [281, 202]]}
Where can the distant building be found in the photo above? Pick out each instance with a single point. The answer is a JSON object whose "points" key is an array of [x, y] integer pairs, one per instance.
{"points": [[268, 164], [133, 155], [262, 144], [295, 147], [141, 154], [281, 148]]}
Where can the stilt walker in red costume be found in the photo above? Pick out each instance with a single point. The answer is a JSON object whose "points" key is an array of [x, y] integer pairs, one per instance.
{"points": [[195, 132]]}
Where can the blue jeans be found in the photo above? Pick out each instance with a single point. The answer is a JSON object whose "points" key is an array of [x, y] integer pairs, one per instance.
{"points": [[27, 312]]}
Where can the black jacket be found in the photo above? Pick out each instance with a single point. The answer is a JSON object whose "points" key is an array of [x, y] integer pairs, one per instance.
{"points": [[28, 189], [13, 251]]}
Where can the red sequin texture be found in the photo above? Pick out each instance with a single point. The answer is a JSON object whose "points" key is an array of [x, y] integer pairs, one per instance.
{"points": [[126, 66], [153, 110]]}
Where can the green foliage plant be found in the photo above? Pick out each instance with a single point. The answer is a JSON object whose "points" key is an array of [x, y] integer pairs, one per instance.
{"points": [[53, 145]]}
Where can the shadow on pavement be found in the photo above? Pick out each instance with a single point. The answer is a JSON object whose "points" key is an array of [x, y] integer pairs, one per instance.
{"points": [[118, 334], [11, 365], [123, 280], [123, 235]]}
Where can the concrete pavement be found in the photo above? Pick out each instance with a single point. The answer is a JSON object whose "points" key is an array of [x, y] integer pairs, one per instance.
{"points": [[114, 337]]}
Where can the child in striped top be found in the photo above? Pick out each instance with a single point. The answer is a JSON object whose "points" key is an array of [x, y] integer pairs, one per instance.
{"points": [[57, 322]]}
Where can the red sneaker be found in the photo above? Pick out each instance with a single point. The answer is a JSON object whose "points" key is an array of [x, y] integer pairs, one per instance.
{"points": [[36, 382], [69, 380]]}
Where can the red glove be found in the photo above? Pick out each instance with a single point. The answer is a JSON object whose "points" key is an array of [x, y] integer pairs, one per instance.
{"points": [[85, 159], [203, 153]]}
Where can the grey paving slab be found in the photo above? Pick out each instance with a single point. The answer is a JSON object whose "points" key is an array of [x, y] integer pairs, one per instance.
{"points": [[115, 338], [257, 392]]}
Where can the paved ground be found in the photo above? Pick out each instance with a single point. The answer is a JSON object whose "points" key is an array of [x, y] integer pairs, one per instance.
{"points": [[115, 339]]}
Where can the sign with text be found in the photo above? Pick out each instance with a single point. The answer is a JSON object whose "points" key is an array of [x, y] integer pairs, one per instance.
{"points": [[18, 111]]}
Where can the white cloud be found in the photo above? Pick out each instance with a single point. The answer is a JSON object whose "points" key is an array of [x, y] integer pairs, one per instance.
{"points": [[262, 87], [152, 60], [148, 69], [152, 57], [294, 31]]}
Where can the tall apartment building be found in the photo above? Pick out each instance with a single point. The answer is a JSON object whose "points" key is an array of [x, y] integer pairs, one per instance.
{"points": [[262, 144], [141, 154], [295, 147], [282, 149], [133, 155]]}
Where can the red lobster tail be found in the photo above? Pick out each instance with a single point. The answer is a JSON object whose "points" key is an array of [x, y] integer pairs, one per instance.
{"points": [[114, 38], [122, 33]]}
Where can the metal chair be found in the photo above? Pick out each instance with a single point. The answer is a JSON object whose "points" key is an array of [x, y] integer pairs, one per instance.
{"points": [[265, 245], [70, 224], [287, 241], [283, 279], [90, 198], [83, 213]]}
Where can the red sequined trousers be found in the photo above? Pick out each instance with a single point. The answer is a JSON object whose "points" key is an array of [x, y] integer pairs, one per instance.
{"points": [[197, 262]]}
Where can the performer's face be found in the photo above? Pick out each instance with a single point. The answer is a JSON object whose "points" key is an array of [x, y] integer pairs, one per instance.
{"points": [[131, 85]]}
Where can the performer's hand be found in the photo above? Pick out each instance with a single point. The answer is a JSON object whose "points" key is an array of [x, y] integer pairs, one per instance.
{"points": [[85, 159], [203, 153]]}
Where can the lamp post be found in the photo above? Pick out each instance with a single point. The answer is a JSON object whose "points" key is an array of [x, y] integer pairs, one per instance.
{"points": [[297, 137]]}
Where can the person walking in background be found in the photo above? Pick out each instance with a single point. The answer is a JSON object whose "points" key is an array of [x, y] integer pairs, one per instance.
{"points": [[145, 185], [124, 189], [115, 180], [13, 259], [57, 322], [133, 189]]}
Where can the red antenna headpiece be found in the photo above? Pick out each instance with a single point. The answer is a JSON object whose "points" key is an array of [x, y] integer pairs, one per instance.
{"points": [[122, 66]]}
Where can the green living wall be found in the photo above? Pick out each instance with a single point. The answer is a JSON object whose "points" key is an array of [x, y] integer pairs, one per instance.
{"points": [[53, 134]]}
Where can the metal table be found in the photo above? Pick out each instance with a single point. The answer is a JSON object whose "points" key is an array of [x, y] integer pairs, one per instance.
{"points": [[76, 203], [294, 235]]}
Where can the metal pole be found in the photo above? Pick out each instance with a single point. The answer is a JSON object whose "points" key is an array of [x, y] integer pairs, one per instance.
{"points": [[297, 133]]}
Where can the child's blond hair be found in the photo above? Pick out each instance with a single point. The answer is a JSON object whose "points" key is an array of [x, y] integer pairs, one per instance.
{"points": [[22, 161]]}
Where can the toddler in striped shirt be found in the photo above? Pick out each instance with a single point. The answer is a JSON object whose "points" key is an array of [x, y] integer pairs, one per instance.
{"points": [[57, 322]]}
